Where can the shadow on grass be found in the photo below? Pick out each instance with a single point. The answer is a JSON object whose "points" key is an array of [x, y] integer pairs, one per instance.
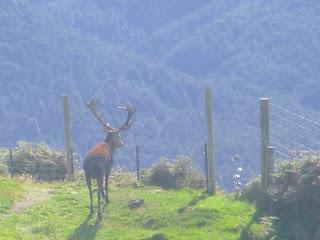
{"points": [[193, 202], [85, 230], [245, 233]]}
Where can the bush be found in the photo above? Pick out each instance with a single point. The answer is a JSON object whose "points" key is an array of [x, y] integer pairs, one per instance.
{"points": [[123, 177], [3, 170], [293, 197], [175, 173], [252, 190], [265, 230], [38, 161]]}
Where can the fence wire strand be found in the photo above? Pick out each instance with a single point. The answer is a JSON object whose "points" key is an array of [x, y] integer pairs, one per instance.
{"points": [[296, 114], [295, 133], [292, 135], [286, 156]]}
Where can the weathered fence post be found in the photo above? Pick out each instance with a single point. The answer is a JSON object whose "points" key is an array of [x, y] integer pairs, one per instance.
{"points": [[11, 162], [270, 169], [11, 155], [72, 161], [137, 162], [265, 136], [206, 165], [67, 136], [211, 152]]}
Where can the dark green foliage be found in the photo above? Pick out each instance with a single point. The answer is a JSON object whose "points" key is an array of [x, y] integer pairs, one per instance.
{"points": [[3, 170], [264, 230], [293, 198], [4, 156], [38, 161], [174, 173], [252, 190]]}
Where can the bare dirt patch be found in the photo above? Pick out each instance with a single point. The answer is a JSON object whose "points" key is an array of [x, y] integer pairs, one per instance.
{"points": [[34, 196]]}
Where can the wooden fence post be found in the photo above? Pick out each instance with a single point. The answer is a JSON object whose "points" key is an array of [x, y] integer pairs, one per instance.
{"points": [[211, 151], [72, 161], [206, 165], [138, 162], [11, 162], [265, 136], [67, 136], [270, 170]]}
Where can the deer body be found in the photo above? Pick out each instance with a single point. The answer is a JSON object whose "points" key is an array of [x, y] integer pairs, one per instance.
{"points": [[99, 160], [101, 149]]}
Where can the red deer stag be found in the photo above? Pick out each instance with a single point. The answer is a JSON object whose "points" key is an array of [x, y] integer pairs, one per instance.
{"points": [[98, 162]]}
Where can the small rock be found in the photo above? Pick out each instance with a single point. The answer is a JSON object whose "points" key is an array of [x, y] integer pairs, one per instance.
{"points": [[150, 223], [157, 236], [136, 203]]}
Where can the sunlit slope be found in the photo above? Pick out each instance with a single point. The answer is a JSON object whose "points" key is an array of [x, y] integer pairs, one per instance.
{"points": [[183, 214]]}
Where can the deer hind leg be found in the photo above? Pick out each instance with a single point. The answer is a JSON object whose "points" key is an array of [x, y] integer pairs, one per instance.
{"points": [[106, 184], [88, 180], [100, 192], [106, 199]]}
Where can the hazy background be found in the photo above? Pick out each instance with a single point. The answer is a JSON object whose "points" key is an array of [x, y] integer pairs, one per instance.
{"points": [[157, 55]]}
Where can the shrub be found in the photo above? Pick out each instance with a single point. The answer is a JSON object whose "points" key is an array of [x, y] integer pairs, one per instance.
{"points": [[293, 197], [174, 173], [38, 161], [252, 190], [123, 177], [3, 170], [265, 230]]}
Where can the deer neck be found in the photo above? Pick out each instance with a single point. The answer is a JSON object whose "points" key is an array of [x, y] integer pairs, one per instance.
{"points": [[111, 144]]}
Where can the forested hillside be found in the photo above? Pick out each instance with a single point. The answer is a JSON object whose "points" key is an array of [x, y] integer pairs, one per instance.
{"points": [[42, 59], [157, 55], [123, 23]]}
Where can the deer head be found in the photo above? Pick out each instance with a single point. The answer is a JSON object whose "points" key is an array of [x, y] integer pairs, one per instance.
{"points": [[113, 134]]}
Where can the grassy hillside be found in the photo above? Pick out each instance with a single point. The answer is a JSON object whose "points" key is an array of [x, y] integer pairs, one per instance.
{"points": [[287, 210], [61, 213]]}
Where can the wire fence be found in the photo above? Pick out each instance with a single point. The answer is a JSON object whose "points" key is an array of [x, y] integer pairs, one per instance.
{"points": [[293, 134]]}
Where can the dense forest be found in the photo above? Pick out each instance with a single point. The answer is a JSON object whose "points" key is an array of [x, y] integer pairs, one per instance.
{"points": [[158, 56]]}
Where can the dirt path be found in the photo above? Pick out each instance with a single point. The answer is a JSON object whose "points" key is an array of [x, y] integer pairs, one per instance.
{"points": [[33, 196]]}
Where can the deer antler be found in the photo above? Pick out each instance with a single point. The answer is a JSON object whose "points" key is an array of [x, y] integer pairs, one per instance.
{"points": [[128, 123], [92, 105]]}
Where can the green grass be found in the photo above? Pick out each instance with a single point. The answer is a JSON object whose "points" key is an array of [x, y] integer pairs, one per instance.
{"points": [[174, 214], [10, 191]]}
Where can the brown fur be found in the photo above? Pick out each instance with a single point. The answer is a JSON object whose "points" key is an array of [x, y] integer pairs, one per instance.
{"points": [[99, 160]]}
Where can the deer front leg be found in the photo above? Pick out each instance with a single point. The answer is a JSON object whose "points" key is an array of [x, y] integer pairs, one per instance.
{"points": [[100, 192], [88, 180], [106, 199], [106, 183]]}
